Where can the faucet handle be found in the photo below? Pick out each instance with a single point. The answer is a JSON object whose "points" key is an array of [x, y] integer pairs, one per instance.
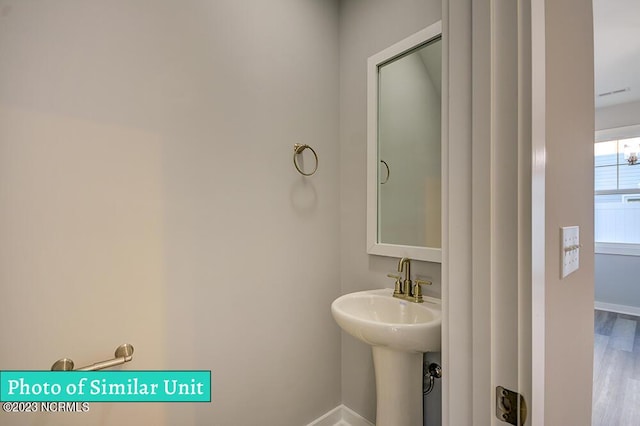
{"points": [[397, 291], [417, 293]]}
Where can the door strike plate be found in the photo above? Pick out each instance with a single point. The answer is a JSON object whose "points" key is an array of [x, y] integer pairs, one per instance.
{"points": [[510, 407]]}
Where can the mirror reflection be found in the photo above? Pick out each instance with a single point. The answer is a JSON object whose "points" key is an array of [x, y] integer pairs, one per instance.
{"points": [[409, 141]]}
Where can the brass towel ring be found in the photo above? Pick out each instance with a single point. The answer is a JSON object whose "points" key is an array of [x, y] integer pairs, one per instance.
{"points": [[388, 172], [297, 149]]}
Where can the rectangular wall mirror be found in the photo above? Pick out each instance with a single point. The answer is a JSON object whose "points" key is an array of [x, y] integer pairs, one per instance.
{"points": [[404, 177]]}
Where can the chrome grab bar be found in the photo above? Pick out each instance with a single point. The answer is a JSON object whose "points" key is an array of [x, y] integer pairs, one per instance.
{"points": [[123, 354]]}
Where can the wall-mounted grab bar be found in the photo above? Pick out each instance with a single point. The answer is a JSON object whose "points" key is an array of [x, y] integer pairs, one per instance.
{"points": [[123, 354]]}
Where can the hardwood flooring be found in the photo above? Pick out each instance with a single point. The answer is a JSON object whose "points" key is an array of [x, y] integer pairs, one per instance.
{"points": [[616, 370]]}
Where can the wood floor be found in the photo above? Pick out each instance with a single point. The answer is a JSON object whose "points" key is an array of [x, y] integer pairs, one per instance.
{"points": [[616, 370]]}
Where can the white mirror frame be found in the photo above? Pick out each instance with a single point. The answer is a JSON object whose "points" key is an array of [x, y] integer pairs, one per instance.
{"points": [[428, 254]]}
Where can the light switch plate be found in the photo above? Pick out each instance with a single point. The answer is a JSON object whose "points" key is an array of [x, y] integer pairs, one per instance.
{"points": [[569, 249]]}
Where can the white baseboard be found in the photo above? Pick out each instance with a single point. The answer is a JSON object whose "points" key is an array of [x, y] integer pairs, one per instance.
{"points": [[341, 416], [619, 309]]}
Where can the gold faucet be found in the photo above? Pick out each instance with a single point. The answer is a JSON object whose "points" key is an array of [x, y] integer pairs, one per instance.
{"points": [[405, 265], [406, 289]]}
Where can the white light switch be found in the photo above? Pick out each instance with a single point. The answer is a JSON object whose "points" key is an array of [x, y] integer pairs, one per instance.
{"points": [[569, 249]]}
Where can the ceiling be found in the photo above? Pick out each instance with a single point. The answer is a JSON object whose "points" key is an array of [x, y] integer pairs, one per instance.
{"points": [[616, 51]]}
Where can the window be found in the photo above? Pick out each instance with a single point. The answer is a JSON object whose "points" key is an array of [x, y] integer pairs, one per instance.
{"points": [[617, 193]]}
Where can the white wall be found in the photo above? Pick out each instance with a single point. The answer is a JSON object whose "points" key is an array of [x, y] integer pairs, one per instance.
{"points": [[147, 195], [367, 27], [569, 201], [617, 116], [613, 282]]}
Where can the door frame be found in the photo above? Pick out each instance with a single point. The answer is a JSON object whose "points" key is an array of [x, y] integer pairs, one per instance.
{"points": [[472, 286]]}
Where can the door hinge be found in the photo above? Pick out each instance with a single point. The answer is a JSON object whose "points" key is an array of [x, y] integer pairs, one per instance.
{"points": [[510, 407]]}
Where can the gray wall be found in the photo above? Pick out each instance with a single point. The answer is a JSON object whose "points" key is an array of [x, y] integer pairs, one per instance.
{"points": [[613, 282], [367, 27], [147, 195], [616, 280], [569, 201]]}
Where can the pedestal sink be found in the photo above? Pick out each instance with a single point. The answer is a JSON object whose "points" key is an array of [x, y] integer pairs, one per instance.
{"points": [[399, 332]]}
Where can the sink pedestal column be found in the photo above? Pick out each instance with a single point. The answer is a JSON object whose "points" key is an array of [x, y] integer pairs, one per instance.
{"points": [[398, 387]]}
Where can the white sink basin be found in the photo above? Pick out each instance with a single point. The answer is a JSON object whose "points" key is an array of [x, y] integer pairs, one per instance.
{"points": [[379, 319], [398, 332]]}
